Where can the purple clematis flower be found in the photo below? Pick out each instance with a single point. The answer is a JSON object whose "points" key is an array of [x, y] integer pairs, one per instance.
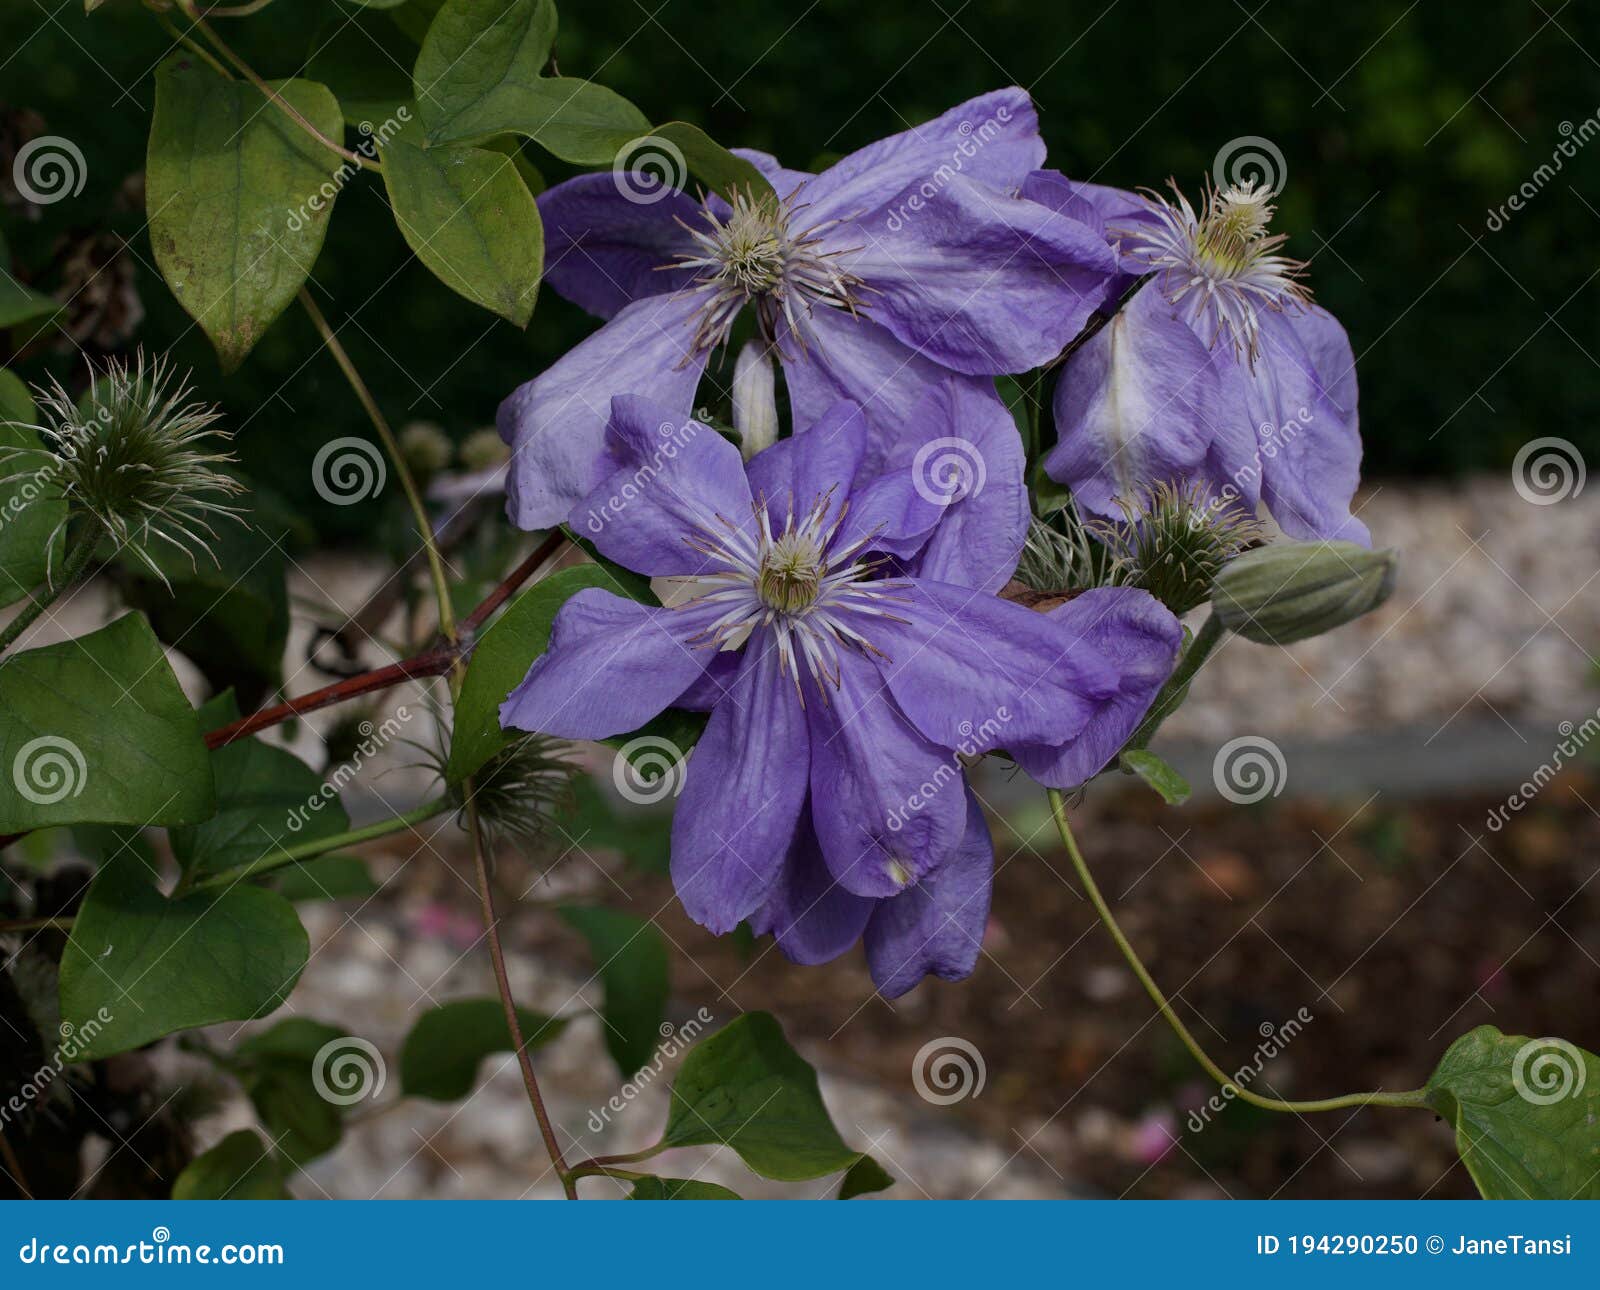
{"points": [[1219, 370], [826, 800], [903, 262]]}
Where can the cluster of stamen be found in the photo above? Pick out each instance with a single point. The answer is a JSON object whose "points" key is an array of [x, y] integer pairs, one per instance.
{"points": [[1222, 260], [788, 580], [757, 256]]}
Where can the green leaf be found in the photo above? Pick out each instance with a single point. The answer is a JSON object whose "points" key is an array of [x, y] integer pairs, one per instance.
{"points": [[19, 304], [470, 218], [1173, 787], [502, 658], [442, 1053], [267, 800], [331, 877], [300, 1076], [415, 17], [479, 74], [1526, 1114], [139, 965], [722, 172], [863, 1178], [240, 1167], [652, 1188], [31, 512], [744, 1087], [96, 730], [228, 613], [631, 958], [239, 198]]}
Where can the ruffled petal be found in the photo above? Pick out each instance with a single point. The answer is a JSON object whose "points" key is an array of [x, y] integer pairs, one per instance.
{"points": [[812, 918], [1140, 403], [744, 785], [825, 458], [1302, 397], [964, 461], [978, 280], [611, 665], [936, 927], [603, 250], [1106, 210], [556, 422], [1140, 637], [836, 356], [975, 673], [993, 139], [671, 480], [884, 798]]}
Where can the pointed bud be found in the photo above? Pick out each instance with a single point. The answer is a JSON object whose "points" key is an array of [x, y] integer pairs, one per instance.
{"points": [[1291, 591], [755, 401]]}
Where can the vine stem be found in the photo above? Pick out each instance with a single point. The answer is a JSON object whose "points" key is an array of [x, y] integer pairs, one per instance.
{"points": [[441, 585], [1170, 699], [189, 11], [321, 846], [77, 560], [491, 927], [1413, 1097]]}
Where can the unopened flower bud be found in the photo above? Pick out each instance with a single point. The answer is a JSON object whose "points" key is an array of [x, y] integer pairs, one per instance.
{"points": [[1290, 591], [426, 448], [755, 402]]}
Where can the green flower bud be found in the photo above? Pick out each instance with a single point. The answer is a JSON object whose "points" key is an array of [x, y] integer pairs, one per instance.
{"points": [[1289, 591], [426, 448]]}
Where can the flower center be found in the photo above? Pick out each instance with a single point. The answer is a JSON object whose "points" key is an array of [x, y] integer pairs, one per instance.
{"points": [[791, 574], [755, 255], [1222, 261], [814, 600]]}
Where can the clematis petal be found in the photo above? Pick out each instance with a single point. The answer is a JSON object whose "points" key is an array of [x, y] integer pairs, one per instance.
{"points": [[834, 356], [671, 480], [783, 180], [993, 138], [1109, 211], [964, 461], [611, 665], [1140, 403], [1302, 398], [812, 918], [884, 798], [604, 250], [744, 786], [936, 927], [978, 280], [823, 459], [1134, 630], [555, 423], [974, 673]]}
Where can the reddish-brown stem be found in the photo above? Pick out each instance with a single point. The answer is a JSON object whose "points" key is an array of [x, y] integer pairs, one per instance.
{"points": [[512, 581], [433, 662]]}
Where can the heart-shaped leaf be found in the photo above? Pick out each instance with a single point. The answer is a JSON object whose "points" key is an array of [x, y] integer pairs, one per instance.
{"points": [[31, 511], [96, 730], [140, 965], [631, 959], [239, 197], [1526, 1114], [240, 1167], [267, 800], [863, 1178], [652, 1188], [470, 218], [441, 1054], [302, 1075], [746, 1088], [480, 73]]}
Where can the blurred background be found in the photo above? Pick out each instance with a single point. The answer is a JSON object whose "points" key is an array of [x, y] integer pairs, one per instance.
{"points": [[1366, 886]]}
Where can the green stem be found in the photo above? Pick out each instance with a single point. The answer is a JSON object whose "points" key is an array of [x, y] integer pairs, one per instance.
{"points": [[441, 585], [1172, 693], [320, 846], [78, 554], [1414, 1097]]}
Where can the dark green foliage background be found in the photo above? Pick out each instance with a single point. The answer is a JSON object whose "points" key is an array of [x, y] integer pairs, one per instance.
{"points": [[1434, 114]]}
